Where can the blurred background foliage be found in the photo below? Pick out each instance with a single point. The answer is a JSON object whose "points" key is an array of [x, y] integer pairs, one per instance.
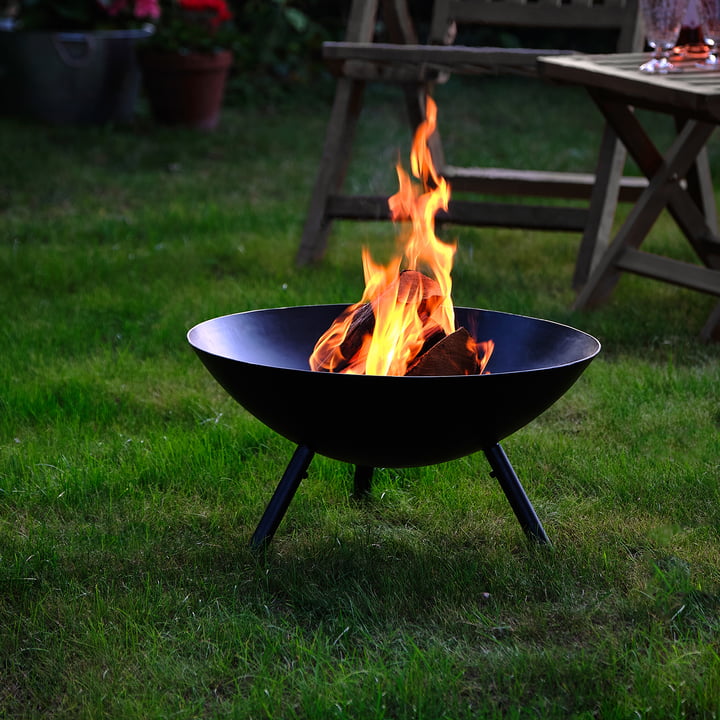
{"points": [[278, 44]]}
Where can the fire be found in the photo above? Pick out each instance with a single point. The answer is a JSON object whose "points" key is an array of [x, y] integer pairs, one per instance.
{"points": [[406, 306]]}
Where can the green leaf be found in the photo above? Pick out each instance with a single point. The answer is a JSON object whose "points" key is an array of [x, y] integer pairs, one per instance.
{"points": [[297, 19]]}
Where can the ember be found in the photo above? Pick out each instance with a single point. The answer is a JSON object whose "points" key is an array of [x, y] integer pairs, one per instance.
{"points": [[405, 322]]}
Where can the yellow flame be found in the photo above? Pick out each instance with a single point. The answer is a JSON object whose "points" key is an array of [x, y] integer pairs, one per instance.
{"points": [[405, 314]]}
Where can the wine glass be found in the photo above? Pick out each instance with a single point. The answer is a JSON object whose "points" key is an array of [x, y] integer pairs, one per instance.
{"points": [[710, 22], [662, 19]]}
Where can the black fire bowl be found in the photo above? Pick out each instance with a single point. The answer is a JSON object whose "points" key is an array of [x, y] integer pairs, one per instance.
{"points": [[261, 357]]}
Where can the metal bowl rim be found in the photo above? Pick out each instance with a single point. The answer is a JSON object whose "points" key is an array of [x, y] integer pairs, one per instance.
{"points": [[408, 378]]}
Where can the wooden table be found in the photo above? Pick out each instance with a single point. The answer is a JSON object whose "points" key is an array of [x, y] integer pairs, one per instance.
{"points": [[679, 177]]}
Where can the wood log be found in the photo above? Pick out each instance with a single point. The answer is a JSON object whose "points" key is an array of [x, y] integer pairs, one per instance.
{"points": [[408, 284], [441, 354], [453, 355]]}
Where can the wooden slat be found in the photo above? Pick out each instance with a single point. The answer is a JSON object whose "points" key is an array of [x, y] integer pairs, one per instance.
{"points": [[425, 63], [382, 72], [536, 183], [479, 214], [670, 270], [451, 56], [525, 217]]}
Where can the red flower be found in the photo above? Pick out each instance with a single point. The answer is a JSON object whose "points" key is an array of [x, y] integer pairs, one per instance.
{"points": [[219, 9]]}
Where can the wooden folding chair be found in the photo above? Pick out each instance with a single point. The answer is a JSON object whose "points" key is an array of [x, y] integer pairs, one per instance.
{"points": [[417, 68]]}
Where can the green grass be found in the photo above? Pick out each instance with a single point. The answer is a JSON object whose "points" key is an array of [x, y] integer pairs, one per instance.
{"points": [[130, 484]]}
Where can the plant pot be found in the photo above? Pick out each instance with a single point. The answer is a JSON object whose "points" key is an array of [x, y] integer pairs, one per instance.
{"points": [[186, 88], [70, 78]]}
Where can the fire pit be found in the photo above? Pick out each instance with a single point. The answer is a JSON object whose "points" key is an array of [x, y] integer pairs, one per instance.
{"points": [[402, 378], [261, 359]]}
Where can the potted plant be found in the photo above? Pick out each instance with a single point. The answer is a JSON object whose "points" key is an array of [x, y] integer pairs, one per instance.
{"points": [[186, 64], [72, 61]]}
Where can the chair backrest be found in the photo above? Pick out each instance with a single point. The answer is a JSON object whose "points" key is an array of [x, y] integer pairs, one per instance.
{"points": [[620, 15]]}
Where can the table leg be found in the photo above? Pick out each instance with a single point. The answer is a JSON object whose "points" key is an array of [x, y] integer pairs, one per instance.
{"points": [[694, 215], [700, 186], [711, 329], [603, 206], [664, 190]]}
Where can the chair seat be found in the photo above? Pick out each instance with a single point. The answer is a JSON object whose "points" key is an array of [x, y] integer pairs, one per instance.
{"points": [[467, 212], [537, 183], [374, 58]]}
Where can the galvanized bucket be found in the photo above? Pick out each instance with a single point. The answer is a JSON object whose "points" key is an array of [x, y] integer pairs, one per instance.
{"points": [[70, 77]]}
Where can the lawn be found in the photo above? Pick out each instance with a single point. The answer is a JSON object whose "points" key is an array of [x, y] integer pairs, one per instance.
{"points": [[130, 483]]}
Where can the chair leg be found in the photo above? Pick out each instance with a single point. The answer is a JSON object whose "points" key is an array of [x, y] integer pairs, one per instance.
{"points": [[333, 168]]}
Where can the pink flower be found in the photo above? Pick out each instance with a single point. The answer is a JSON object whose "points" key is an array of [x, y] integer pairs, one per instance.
{"points": [[147, 9]]}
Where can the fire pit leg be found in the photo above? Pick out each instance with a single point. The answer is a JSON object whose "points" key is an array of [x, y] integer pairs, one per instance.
{"points": [[521, 505], [362, 481], [284, 493]]}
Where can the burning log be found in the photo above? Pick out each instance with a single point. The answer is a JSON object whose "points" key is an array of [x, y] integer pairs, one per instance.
{"points": [[456, 353], [453, 355], [411, 287]]}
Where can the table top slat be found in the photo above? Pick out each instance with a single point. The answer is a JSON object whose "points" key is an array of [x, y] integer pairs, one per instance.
{"points": [[695, 92]]}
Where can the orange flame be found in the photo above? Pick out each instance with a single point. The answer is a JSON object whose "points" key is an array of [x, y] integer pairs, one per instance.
{"points": [[400, 312]]}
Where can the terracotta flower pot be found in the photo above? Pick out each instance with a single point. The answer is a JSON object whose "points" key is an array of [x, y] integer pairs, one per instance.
{"points": [[186, 88]]}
